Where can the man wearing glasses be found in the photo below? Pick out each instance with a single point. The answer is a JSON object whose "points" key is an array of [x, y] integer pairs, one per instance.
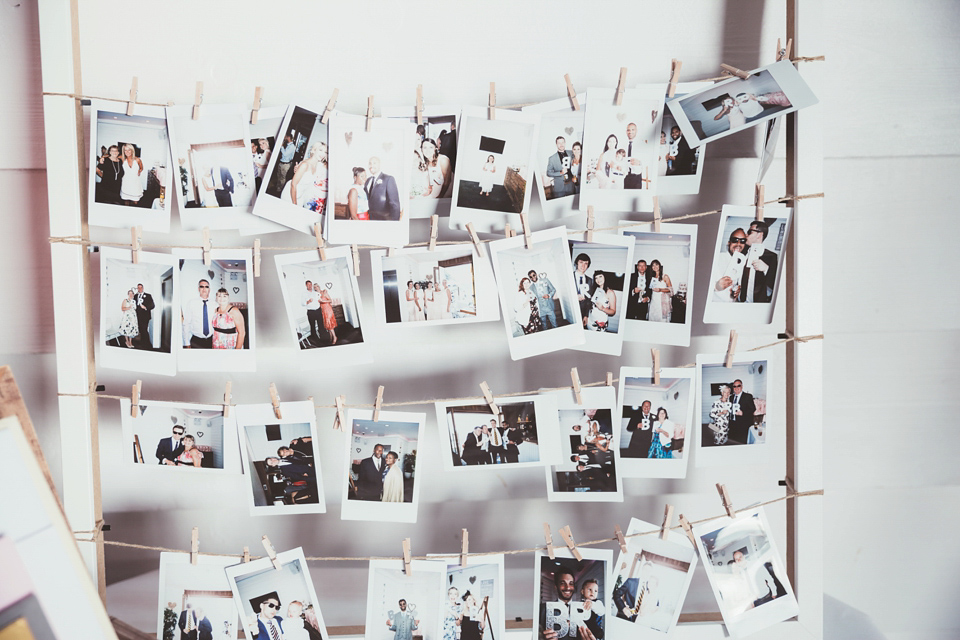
{"points": [[269, 626], [730, 264], [198, 319], [743, 409], [169, 448], [760, 272]]}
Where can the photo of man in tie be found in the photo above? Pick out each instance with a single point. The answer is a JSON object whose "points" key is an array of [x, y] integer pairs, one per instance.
{"points": [[372, 471], [558, 168], [188, 623], [584, 285], [634, 179], [169, 448], [198, 319], [223, 185], [145, 306], [383, 197]]}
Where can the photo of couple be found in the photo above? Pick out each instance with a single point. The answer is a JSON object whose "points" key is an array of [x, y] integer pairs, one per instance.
{"points": [[560, 160], [216, 308], [473, 609], [406, 606], [434, 160], [589, 464], [195, 602], [195, 436], [733, 404], [572, 596]]}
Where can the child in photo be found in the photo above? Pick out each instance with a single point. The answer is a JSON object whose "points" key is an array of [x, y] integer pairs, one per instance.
{"points": [[592, 606], [618, 169]]}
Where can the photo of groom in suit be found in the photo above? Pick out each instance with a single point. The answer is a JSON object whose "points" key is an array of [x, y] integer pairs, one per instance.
{"points": [[169, 448], [558, 168], [760, 270], [584, 285], [638, 301], [383, 196], [370, 479], [744, 409], [223, 187], [144, 311]]}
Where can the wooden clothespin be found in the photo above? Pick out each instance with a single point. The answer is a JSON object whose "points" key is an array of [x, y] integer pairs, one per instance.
{"points": [[731, 349], [406, 557], [782, 54], [434, 223], [609, 382], [621, 86], [355, 252], [369, 112], [227, 398], [391, 251], [527, 240], [571, 92], [667, 522], [475, 239], [758, 200], [377, 404], [341, 420], [197, 101], [246, 555], [275, 401], [206, 247], [740, 73], [257, 100], [655, 354], [508, 232], [134, 92], [549, 538], [136, 242], [725, 497], [492, 102], [657, 216], [488, 397], [331, 103], [271, 553], [194, 545], [675, 65], [575, 377], [591, 223], [620, 539], [135, 399], [464, 546], [688, 529], [256, 258], [419, 104], [567, 536]]}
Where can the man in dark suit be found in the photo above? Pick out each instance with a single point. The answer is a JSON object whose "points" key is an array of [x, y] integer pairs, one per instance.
{"points": [[584, 285], [448, 144], [641, 426], [188, 623], [743, 410], [473, 452], [638, 301], [144, 310], [223, 188], [169, 448], [370, 481], [634, 179], [681, 156], [760, 270], [269, 625], [382, 194], [558, 168]]}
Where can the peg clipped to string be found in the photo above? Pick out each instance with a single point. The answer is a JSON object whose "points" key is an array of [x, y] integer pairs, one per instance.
{"points": [[621, 86], [246, 555], [618, 534], [227, 398], [331, 103], [492, 102], [508, 231], [256, 258], [434, 224], [136, 242], [369, 112], [257, 101], [488, 397], [476, 240], [725, 498], [527, 240], [133, 96], [655, 355], [567, 536], [377, 404], [341, 420], [784, 52], [271, 553], [194, 545], [275, 401], [206, 247], [609, 381], [731, 349], [571, 92], [657, 216], [407, 569], [197, 101], [733, 71], [135, 399], [464, 546], [758, 200], [321, 245], [688, 529], [419, 104], [577, 390], [675, 65], [355, 252], [548, 537], [667, 522], [591, 223]]}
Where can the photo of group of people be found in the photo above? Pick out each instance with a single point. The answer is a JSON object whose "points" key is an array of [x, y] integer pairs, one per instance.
{"points": [[473, 608], [655, 419], [733, 408], [572, 597], [477, 437], [196, 602]]}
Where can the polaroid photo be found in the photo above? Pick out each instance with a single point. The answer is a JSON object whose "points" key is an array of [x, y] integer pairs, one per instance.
{"points": [[130, 171], [475, 602], [294, 191], [281, 458], [178, 435], [434, 158], [493, 185], [746, 574], [382, 483], [652, 580], [401, 606], [734, 105], [216, 176], [733, 409], [196, 600], [620, 149], [654, 421], [559, 156], [747, 265], [323, 305], [216, 309], [679, 167], [421, 288], [520, 436], [136, 314], [571, 595], [589, 467], [541, 311], [369, 175], [277, 603], [21, 616], [601, 271], [660, 295]]}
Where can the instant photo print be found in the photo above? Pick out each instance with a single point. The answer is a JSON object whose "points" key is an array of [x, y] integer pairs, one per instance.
{"points": [[571, 594], [559, 156], [402, 606], [196, 598], [679, 166], [601, 270]]}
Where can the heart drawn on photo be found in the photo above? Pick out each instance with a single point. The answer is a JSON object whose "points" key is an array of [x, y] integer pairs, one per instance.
{"points": [[348, 136], [328, 285], [236, 289], [621, 117], [568, 131], [199, 434], [358, 449], [387, 146], [473, 579], [543, 275]]}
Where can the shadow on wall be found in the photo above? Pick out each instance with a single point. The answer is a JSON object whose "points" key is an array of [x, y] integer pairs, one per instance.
{"points": [[841, 621]]}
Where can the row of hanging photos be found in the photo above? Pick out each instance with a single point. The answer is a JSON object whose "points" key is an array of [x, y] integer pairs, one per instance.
{"points": [[565, 533]]}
